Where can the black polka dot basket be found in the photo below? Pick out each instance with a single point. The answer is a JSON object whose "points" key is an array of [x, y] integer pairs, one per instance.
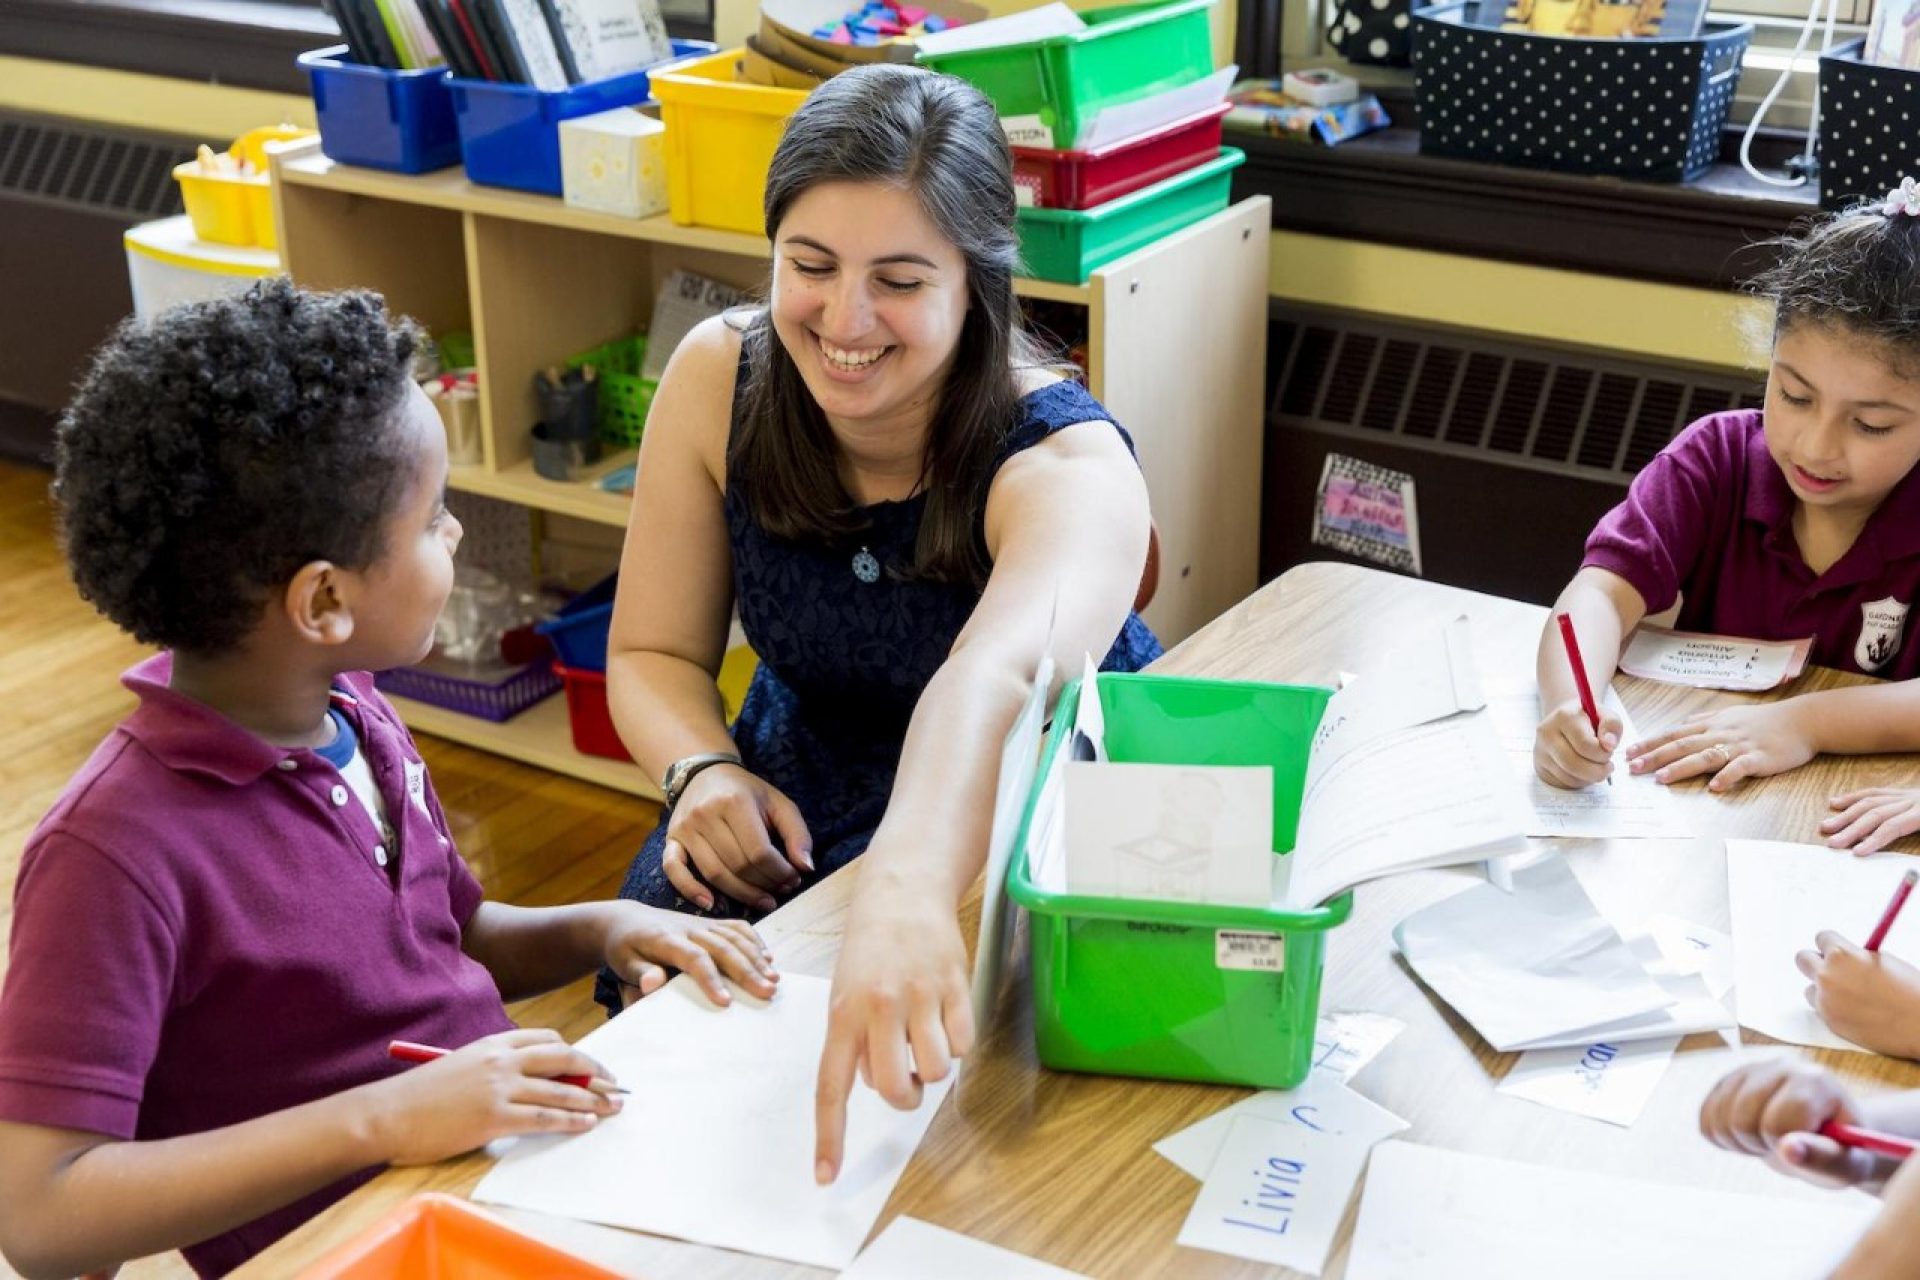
{"points": [[1869, 127], [1647, 108]]}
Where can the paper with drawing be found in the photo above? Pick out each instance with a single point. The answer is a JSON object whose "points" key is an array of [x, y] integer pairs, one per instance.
{"points": [[715, 1144], [1631, 806], [1783, 894]]}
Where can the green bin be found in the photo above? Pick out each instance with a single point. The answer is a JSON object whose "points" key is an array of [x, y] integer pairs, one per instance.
{"points": [[624, 396], [1136, 988], [1069, 244], [1125, 52]]}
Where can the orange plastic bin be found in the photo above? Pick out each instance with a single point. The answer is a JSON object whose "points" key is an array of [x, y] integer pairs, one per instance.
{"points": [[439, 1237]]}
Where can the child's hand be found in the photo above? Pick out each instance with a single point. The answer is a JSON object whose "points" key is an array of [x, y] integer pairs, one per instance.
{"points": [[1732, 744], [494, 1088], [1871, 820], [1774, 1110], [1870, 997], [1565, 751], [718, 833], [643, 942]]}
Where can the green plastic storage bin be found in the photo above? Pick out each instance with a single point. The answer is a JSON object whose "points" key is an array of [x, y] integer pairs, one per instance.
{"points": [[1069, 244], [624, 395], [1125, 52], [1136, 988]]}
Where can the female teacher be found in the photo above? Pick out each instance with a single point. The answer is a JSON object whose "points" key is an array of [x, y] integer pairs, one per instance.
{"points": [[879, 471]]}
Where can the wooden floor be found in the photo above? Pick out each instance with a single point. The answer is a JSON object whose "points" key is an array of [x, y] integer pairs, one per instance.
{"points": [[532, 837]]}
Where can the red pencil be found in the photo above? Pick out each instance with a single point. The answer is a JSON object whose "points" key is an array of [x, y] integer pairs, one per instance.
{"points": [[1579, 666], [1892, 912], [1885, 1144], [408, 1051]]}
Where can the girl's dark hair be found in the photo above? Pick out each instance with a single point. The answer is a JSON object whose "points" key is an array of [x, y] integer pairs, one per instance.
{"points": [[940, 139], [1858, 270], [209, 453]]}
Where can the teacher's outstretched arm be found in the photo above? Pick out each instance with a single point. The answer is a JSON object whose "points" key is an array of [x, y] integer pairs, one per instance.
{"points": [[1066, 529]]}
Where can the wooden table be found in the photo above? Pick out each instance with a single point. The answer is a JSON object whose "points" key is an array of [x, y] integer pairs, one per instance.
{"points": [[1059, 1166]]}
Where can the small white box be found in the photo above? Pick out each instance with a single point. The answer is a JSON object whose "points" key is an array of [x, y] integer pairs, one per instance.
{"points": [[1320, 86], [614, 162]]}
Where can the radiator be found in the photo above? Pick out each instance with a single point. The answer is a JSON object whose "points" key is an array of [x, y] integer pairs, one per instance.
{"points": [[68, 190], [1515, 449]]}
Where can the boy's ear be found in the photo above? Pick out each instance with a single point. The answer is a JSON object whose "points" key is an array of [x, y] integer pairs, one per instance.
{"points": [[316, 606]]}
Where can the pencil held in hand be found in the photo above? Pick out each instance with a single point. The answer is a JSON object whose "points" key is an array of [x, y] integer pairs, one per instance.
{"points": [[408, 1051], [1892, 913], [1580, 682]]}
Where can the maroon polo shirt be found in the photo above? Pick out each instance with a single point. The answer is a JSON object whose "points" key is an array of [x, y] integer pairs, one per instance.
{"points": [[1711, 520], [204, 932]]}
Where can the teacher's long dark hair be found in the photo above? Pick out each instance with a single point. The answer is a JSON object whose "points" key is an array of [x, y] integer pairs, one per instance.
{"points": [[939, 138]]}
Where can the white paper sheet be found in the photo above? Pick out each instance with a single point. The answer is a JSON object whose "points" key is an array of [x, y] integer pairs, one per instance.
{"points": [[1276, 1194], [1171, 833], [1126, 120], [1019, 762], [1321, 1102], [1429, 1214], [1014, 28], [1529, 965], [715, 1144], [1345, 1040], [1694, 948], [1089, 717], [1610, 1082], [1430, 677], [1633, 806], [1782, 895], [910, 1249], [1712, 662], [1433, 795]]}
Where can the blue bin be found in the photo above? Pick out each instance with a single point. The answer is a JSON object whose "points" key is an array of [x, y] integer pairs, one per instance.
{"points": [[579, 630], [510, 133], [400, 120]]}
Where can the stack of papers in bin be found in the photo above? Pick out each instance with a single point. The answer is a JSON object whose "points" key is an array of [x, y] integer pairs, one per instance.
{"points": [[1405, 771], [1539, 967]]}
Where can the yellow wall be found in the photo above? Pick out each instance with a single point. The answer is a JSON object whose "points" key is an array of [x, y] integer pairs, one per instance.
{"points": [[1669, 322], [207, 112], [1574, 308]]}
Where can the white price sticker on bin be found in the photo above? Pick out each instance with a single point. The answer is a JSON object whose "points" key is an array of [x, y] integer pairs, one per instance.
{"points": [[1245, 949]]}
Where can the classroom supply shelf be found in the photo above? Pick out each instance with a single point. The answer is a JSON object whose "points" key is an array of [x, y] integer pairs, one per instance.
{"points": [[1176, 350]]}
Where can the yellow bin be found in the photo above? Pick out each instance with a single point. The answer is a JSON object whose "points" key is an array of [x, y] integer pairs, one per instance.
{"points": [[231, 208], [721, 135]]}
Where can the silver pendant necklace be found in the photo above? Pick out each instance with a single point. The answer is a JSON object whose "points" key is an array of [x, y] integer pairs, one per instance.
{"points": [[865, 567]]}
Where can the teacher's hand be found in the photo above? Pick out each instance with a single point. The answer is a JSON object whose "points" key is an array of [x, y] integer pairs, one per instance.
{"points": [[901, 1013], [720, 830]]}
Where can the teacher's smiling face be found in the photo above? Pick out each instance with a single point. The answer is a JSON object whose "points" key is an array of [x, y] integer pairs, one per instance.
{"points": [[868, 299]]}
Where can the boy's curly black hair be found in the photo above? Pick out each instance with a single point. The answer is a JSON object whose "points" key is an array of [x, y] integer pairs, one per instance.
{"points": [[209, 453], [1859, 270]]}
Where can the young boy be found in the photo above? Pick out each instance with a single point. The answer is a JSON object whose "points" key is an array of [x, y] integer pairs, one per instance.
{"points": [[250, 889]]}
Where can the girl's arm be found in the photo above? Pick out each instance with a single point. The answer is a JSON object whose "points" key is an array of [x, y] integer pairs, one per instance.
{"points": [[1067, 527], [73, 1202], [1890, 1248]]}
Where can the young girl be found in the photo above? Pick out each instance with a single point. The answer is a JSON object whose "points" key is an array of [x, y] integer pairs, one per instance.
{"points": [[250, 889], [904, 507], [1799, 519], [1775, 1109]]}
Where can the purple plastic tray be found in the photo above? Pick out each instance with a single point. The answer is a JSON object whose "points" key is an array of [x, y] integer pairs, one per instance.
{"points": [[479, 693]]}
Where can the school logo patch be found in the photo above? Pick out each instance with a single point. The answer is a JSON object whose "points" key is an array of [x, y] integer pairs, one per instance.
{"points": [[1883, 625], [417, 785]]}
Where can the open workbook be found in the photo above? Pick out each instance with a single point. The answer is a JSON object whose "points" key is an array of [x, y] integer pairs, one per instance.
{"points": [[1405, 771]]}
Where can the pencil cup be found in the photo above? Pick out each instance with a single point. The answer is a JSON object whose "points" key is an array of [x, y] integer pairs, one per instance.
{"points": [[559, 457], [460, 414]]}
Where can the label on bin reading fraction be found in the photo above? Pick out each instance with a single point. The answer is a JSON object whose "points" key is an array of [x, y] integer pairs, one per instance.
{"points": [[1027, 131], [1244, 949]]}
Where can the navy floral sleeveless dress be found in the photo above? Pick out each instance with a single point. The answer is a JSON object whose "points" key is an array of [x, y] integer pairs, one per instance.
{"points": [[846, 648]]}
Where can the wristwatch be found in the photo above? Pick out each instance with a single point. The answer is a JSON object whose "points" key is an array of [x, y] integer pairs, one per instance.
{"points": [[683, 771]]}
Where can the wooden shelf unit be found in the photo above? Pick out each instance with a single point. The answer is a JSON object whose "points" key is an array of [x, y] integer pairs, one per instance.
{"points": [[1176, 351]]}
